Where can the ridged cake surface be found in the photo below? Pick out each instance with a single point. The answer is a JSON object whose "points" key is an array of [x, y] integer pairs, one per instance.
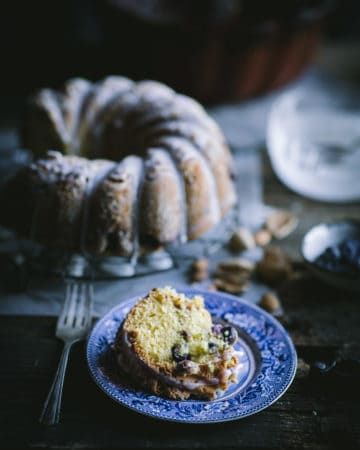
{"points": [[132, 166]]}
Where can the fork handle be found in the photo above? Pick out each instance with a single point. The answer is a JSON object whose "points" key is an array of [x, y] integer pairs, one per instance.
{"points": [[50, 414]]}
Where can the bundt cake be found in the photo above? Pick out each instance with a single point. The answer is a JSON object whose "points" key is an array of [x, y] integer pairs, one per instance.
{"points": [[169, 346], [131, 166]]}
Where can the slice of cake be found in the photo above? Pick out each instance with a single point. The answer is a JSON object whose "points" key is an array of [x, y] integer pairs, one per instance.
{"points": [[169, 346]]}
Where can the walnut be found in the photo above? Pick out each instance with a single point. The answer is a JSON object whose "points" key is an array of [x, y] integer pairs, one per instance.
{"points": [[237, 265], [275, 266], [232, 276], [231, 288], [241, 239]]}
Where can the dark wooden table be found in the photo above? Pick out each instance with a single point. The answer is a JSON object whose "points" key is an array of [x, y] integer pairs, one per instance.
{"points": [[317, 412]]}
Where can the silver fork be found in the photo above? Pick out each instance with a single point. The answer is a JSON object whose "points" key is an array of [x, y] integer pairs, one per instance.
{"points": [[73, 325]]}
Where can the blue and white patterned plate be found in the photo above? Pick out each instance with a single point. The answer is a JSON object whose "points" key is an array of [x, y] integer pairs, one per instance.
{"points": [[268, 364]]}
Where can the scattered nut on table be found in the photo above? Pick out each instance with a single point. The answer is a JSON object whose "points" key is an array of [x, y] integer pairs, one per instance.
{"points": [[241, 239], [281, 223], [237, 265], [232, 276], [303, 368], [270, 302], [262, 237], [200, 264], [199, 276], [275, 266], [231, 288], [199, 270]]}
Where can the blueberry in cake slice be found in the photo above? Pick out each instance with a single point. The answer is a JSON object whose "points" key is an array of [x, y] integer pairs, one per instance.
{"points": [[168, 345]]}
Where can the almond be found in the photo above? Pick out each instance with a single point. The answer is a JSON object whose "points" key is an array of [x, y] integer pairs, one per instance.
{"points": [[281, 223], [199, 270], [262, 237]]}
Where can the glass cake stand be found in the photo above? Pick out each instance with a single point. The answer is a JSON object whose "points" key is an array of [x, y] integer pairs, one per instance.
{"points": [[83, 266]]}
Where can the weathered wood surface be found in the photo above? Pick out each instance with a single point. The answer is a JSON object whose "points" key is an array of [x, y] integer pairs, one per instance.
{"points": [[313, 414]]}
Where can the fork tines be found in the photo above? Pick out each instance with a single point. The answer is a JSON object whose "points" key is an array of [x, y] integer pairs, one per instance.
{"points": [[77, 309]]}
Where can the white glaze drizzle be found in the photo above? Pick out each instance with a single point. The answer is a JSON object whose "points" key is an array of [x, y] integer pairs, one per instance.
{"points": [[135, 364]]}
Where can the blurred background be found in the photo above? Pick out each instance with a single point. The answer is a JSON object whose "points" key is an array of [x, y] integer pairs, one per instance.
{"points": [[215, 50], [235, 56]]}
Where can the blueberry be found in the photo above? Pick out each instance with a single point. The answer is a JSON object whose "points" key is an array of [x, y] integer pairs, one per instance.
{"points": [[348, 251], [328, 254], [331, 255], [212, 347], [185, 335], [180, 352], [229, 335], [352, 250], [342, 257], [336, 253]]}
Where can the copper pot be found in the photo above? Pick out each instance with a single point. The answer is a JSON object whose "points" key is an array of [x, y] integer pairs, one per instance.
{"points": [[220, 50]]}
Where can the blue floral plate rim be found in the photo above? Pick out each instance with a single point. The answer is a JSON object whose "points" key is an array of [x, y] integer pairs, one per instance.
{"points": [[271, 380]]}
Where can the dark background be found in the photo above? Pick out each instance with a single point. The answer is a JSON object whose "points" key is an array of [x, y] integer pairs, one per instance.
{"points": [[45, 42]]}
